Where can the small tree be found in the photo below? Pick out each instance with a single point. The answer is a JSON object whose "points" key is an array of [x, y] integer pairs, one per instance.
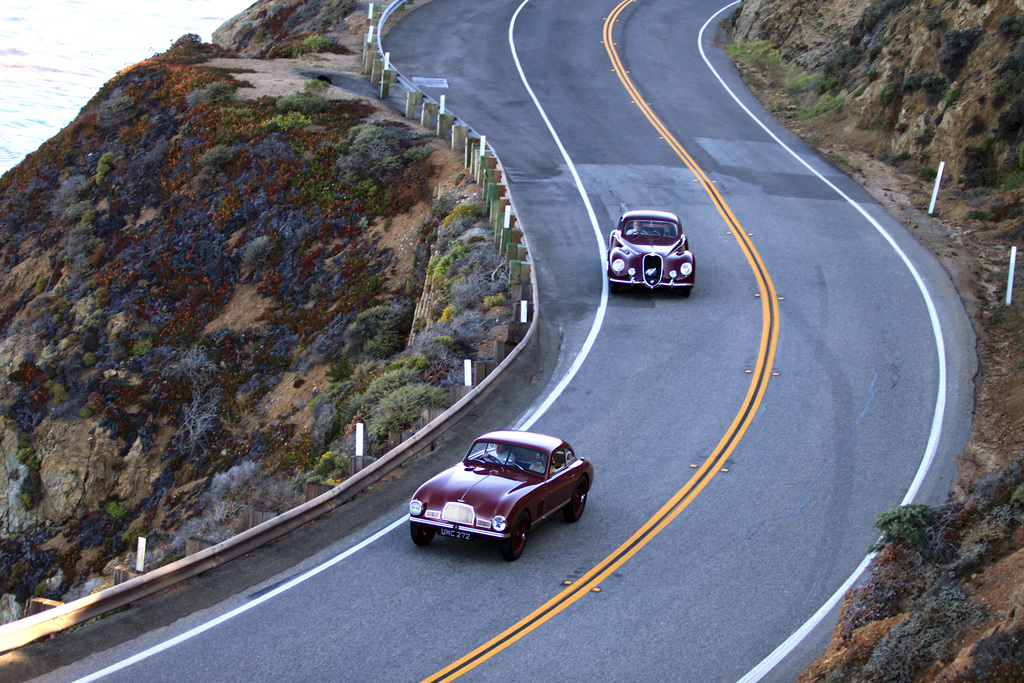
{"points": [[905, 526]]}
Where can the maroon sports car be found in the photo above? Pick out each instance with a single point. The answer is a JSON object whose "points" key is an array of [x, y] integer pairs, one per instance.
{"points": [[508, 483], [648, 248]]}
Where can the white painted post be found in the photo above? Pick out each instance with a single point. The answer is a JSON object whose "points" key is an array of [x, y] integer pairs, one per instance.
{"points": [[370, 12], [935, 192], [387, 61], [1009, 279], [467, 372], [483, 146], [140, 555], [508, 217], [522, 310], [357, 461], [369, 35], [441, 111]]}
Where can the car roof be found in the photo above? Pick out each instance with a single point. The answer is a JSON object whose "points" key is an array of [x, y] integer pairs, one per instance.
{"points": [[649, 215], [541, 442]]}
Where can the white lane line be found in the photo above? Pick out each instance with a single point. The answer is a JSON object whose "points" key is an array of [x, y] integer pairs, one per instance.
{"points": [[526, 423], [595, 328], [206, 626], [780, 652]]}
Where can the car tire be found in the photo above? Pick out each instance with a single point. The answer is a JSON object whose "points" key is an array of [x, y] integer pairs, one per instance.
{"points": [[574, 509], [512, 547], [421, 535], [685, 292]]}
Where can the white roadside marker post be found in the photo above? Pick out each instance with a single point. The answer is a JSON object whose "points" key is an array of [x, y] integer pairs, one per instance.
{"points": [[357, 463], [1009, 278], [935, 191], [140, 555]]}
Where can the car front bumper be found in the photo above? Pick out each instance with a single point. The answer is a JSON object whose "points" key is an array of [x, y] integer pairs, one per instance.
{"points": [[473, 530]]}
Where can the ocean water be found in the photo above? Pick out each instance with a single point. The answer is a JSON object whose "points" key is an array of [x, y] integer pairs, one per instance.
{"points": [[56, 54]]}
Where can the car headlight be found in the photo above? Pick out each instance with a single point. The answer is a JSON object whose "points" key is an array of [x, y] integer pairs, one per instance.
{"points": [[685, 269], [498, 523], [618, 264], [632, 272], [415, 508]]}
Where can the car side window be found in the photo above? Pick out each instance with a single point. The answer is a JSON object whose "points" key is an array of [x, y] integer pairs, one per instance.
{"points": [[557, 460], [570, 457]]}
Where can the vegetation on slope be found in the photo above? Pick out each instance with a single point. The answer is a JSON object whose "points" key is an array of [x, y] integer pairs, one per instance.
{"points": [[196, 306]]}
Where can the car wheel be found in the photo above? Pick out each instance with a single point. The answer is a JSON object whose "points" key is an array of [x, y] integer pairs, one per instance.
{"points": [[421, 535], [574, 510], [512, 547]]}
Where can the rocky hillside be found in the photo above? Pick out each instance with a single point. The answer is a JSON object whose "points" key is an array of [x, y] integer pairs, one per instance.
{"points": [[205, 282], [888, 89]]}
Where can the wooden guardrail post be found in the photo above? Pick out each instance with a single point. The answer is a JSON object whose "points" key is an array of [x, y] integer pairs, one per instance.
{"points": [[413, 99], [428, 113], [194, 544], [37, 605], [459, 133], [444, 124], [122, 574], [311, 491]]}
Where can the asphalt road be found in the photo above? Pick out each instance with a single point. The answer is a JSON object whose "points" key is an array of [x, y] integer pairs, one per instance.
{"points": [[840, 428]]}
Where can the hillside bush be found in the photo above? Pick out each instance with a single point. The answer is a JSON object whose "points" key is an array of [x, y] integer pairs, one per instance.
{"points": [[906, 526], [376, 332], [401, 407]]}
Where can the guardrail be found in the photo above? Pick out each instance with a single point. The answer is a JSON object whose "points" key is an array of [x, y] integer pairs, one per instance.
{"points": [[63, 616]]}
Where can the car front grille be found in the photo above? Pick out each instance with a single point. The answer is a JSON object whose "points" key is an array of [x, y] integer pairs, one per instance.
{"points": [[458, 513]]}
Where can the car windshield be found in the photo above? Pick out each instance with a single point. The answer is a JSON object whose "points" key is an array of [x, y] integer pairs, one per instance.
{"points": [[497, 453], [649, 229]]}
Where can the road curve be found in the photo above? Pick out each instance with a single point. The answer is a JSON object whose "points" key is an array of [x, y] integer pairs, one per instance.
{"points": [[845, 417]]}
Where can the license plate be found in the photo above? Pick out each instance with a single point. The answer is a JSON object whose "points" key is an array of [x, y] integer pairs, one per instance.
{"points": [[455, 533]]}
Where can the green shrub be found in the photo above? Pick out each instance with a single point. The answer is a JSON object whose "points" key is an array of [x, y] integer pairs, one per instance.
{"points": [[401, 407], [376, 332], [317, 44], [89, 359], [341, 369], [953, 94], [142, 346], [116, 510], [1011, 180], [286, 122], [131, 536], [58, 392], [105, 165], [316, 86], [494, 300], [221, 91], [85, 413], [825, 103], [305, 103], [906, 526], [26, 500], [27, 456], [929, 173]]}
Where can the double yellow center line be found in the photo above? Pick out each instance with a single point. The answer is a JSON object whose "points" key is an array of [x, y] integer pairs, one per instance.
{"points": [[714, 462]]}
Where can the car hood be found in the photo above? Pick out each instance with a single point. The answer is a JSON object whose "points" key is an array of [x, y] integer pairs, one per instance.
{"points": [[481, 487]]}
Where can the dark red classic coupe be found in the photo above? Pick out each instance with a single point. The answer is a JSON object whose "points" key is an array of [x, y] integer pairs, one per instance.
{"points": [[508, 483], [648, 248]]}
